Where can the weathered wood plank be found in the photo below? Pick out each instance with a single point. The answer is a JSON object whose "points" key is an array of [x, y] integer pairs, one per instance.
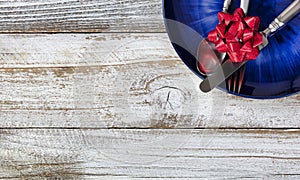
{"points": [[81, 16], [73, 50], [118, 80], [230, 154]]}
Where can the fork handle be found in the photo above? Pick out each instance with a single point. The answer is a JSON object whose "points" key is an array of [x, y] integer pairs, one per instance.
{"points": [[289, 13]]}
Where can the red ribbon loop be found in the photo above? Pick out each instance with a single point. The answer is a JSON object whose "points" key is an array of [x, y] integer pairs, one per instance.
{"points": [[237, 35]]}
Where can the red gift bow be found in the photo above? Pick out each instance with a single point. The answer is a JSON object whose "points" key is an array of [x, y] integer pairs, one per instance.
{"points": [[237, 35]]}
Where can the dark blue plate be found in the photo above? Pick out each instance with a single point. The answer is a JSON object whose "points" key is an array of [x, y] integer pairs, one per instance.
{"points": [[276, 71]]}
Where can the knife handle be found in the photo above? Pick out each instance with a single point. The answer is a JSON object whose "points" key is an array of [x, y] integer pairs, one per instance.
{"points": [[226, 5], [245, 5]]}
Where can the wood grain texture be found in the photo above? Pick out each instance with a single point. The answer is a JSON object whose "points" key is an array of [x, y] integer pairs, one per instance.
{"points": [[121, 105], [136, 154], [118, 80], [81, 16]]}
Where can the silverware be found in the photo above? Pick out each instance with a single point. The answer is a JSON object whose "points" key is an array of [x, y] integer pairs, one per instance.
{"points": [[226, 5], [208, 57], [228, 68], [234, 82]]}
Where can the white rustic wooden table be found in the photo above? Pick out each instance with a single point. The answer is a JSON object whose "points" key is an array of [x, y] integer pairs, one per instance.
{"points": [[93, 89]]}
